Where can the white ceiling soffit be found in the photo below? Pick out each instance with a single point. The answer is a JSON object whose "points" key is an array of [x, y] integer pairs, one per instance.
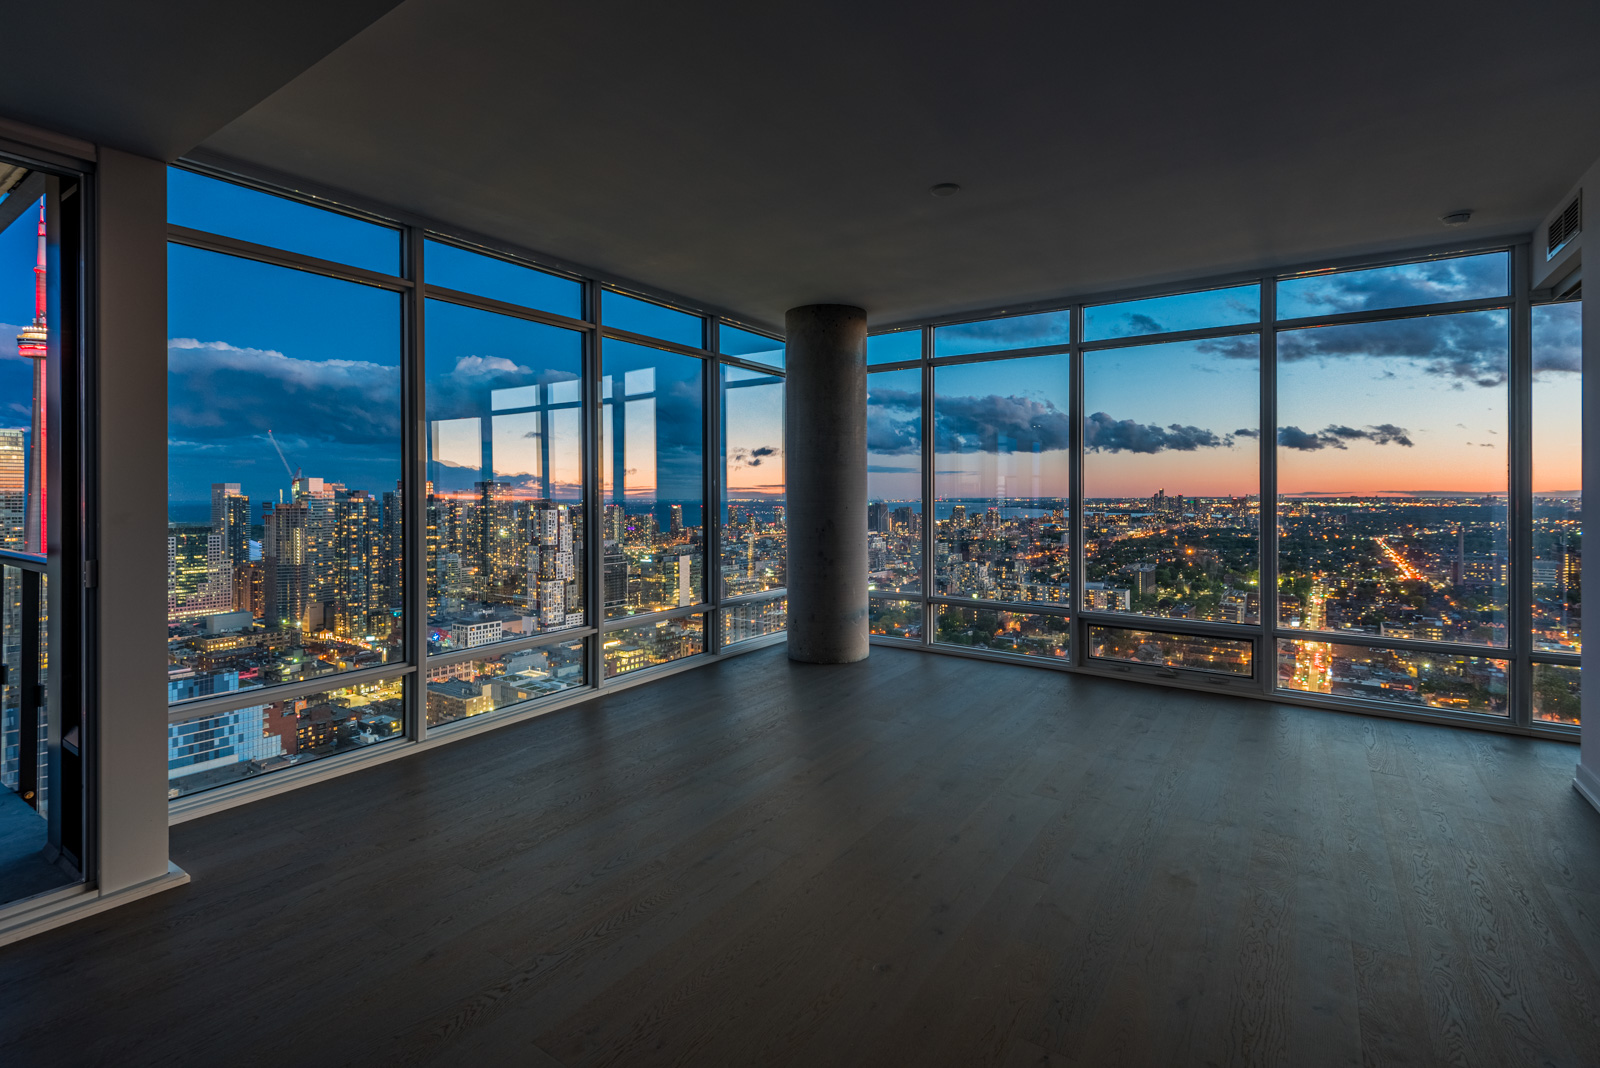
{"points": [[154, 77], [762, 156]]}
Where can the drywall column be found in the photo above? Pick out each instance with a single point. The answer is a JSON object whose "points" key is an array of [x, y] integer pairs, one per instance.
{"points": [[825, 444], [1587, 778], [130, 715]]}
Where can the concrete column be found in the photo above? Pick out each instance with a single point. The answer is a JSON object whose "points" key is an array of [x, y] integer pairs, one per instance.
{"points": [[825, 442]]}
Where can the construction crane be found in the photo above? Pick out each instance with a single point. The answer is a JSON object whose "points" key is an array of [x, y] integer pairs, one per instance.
{"points": [[293, 474]]}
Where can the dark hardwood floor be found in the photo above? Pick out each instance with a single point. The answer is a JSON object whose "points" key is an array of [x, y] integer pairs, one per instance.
{"points": [[917, 860]]}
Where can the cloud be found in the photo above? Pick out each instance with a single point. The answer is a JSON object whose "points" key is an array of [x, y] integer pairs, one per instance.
{"points": [[1245, 347], [1557, 338], [1101, 433], [742, 457], [993, 423], [1014, 332], [894, 421], [1246, 432], [1469, 347], [1336, 437], [1431, 282], [217, 390], [884, 469]]}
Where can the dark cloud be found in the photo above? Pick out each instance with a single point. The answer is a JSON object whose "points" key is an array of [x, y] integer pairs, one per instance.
{"points": [[1336, 437], [1232, 348], [894, 421], [1558, 338], [742, 457], [1246, 432], [1410, 284], [1469, 347], [993, 423], [1016, 332], [1101, 433]]}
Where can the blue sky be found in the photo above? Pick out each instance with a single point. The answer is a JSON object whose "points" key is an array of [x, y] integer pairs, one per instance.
{"points": [[19, 246]]}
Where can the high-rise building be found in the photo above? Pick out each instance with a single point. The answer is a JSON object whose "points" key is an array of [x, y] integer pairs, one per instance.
{"points": [[675, 527], [13, 489], [230, 517], [285, 556]]}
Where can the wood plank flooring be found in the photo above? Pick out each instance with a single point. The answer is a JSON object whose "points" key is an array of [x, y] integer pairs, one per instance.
{"points": [[916, 860]]}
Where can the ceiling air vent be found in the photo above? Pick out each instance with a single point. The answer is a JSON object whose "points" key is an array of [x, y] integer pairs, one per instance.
{"points": [[1566, 226]]}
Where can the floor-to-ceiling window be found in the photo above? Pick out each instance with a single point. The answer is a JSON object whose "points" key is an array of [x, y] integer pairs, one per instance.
{"points": [[1316, 483], [414, 481]]}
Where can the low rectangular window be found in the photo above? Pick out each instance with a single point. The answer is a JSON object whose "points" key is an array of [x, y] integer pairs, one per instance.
{"points": [[470, 688], [645, 645], [1020, 633], [1190, 652], [1425, 681]]}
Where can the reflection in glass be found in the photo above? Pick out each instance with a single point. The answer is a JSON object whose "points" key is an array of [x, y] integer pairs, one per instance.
{"points": [[1002, 446], [505, 477], [620, 312], [25, 306], [993, 335], [754, 619], [1192, 652], [895, 619], [226, 747], [283, 469], [651, 468], [894, 347], [754, 548], [489, 276], [1393, 476], [1399, 676], [18, 589], [1019, 633], [1557, 476], [894, 481], [1402, 286], [645, 645], [469, 688], [220, 207], [756, 348], [1171, 472], [1557, 693], [1179, 311]]}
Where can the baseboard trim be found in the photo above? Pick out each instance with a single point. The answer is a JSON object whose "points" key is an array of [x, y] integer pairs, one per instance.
{"points": [[50, 911], [1587, 783]]}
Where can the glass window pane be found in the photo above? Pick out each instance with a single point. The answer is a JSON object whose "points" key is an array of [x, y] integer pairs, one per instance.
{"points": [[754, 549], [505, 477], [1557, 476], [652, 465], [487, 684], [1393, 475], [283, 473], [1402, 286], [497, 279], [896, 347], [226, 747], [754, 619], [637, 316], [756, 348], [895, 619], [1002, 446], [993, 335], [219, 207], [1179, 311], [1171, 477], [1399, 676], [1019, 633], [648, 644], [1557, 689], [1192, 652], [894, 481], [25, 346]]}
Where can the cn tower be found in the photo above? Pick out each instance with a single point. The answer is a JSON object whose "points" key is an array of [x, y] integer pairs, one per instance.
{"points": [[34, 343]]}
